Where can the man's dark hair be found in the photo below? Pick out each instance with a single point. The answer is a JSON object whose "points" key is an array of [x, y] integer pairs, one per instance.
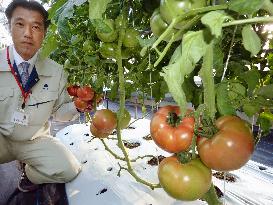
{"points": [[30, 5]]}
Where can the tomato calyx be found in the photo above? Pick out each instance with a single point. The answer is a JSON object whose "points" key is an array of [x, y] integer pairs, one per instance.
{"points": [[184, 157], [207, 128], [173, 119]]}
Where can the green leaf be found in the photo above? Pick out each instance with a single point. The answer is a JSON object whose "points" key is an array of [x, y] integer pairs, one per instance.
{"points": [[101, 26], [267, 115], [49, 45], [206, 73], [68, 8], [251, 77], [147, 41], [251, 40], [193, 48], [245, 6], [214, 20], [265, 124], [266, 91], [55, 7], [218, 58], [236, 91], [97, 8], [176, 54], [224, 106], [250, 108]]}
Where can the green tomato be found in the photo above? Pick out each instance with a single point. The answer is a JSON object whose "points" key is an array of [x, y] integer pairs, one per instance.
{"points": [[87, 46], [108, 50], [170, 9], [187, 182], [158, 26], [120, 22], [112, 35], [130, 38], [125, 119]]}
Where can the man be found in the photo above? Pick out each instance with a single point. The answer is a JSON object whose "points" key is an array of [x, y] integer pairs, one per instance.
{"points": [[31, 90]]}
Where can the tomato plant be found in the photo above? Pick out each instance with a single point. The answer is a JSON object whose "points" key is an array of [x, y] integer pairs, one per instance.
{"points": [[104, 120], [230, 148], [110, 36], [85, 93], [187, 182], [169, 132], [169, 9], [221, 44]]}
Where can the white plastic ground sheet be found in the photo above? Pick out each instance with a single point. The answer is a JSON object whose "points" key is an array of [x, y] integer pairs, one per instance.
{"points": [[98, 183]]}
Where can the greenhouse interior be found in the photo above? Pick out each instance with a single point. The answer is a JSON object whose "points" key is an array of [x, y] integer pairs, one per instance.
{"points": [[136, 102]]}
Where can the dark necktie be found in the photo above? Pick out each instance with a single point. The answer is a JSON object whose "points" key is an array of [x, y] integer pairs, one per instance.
{"points": [[24, 73]]}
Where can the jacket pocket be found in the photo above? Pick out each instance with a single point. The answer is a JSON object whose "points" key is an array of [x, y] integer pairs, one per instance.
{"points": [[43, 98], [7, 104], [40, 106], [5, 93]]}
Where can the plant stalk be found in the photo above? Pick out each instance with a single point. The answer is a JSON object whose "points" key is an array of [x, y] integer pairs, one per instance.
{"points": [[249, 21], [211, 197], [121, 111]]}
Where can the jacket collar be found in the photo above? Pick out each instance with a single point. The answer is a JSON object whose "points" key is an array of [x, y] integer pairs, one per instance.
{"points": [[41, 64]]}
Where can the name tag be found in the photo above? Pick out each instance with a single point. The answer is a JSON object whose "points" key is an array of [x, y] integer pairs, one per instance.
{"points": [[20, 118]]}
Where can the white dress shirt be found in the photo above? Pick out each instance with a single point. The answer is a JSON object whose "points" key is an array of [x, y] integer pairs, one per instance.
{"points": [[18, 59]]}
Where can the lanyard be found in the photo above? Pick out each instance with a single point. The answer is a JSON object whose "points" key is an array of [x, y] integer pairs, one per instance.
{"points": [[25, 95]]}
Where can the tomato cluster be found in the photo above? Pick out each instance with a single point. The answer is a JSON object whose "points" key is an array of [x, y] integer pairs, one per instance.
{"points": [[84, 97], [108, 40], [228, 148], [167, 11]]}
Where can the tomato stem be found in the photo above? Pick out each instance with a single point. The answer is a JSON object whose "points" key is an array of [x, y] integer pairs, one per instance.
{"points": [[173, 119], [211, 197], [166, 32], [249, 21], [121, 111], [184, 157]]}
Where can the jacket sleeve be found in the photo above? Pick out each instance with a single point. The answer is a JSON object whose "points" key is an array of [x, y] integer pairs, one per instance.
{"points": [[64, 109]]}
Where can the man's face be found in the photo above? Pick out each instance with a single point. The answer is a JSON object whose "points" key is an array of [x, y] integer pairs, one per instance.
{"points": [[27, 31]]}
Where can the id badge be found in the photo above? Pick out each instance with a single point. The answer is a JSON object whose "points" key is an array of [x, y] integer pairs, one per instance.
{"points": [[20, 118]]}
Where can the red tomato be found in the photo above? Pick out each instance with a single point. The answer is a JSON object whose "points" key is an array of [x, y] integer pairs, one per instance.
{"points": [[187, 182], [86, 93], [172, 139], [230, 148], [105, 120], [72, 90], [80, 104], [97, 133]]}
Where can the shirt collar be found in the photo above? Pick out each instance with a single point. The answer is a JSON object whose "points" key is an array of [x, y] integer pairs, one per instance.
{"points": [[18, 59]]}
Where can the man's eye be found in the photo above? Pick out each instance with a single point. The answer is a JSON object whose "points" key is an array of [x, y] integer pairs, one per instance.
{"points": [[19, 24], [36, 28]]}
